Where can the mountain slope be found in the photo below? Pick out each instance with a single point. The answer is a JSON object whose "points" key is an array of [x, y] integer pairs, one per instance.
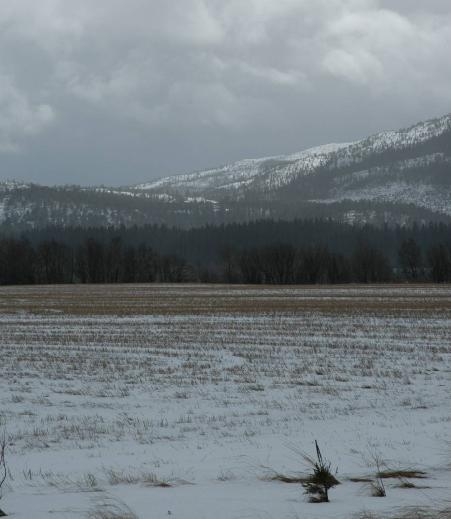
{"points": [[408, 163], [238, 175], [391, 177]]}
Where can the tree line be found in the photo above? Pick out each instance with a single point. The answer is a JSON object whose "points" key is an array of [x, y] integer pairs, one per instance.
{"points": [[51, 262], [270, 252]]}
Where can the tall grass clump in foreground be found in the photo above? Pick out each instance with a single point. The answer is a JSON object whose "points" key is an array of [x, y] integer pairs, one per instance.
{"points": [[377, 486], [3, 468], [318, 484]]}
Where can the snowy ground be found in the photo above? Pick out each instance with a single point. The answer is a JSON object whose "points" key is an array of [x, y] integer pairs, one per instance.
{"points": [[183, 402]]}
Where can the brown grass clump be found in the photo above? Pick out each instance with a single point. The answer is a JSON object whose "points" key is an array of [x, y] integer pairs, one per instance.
{"points": [[378, 488], [400, 474], [406, 484], [122, 477], [109, 514], [283, 478], [410, 513], [422, 513], [151, 480], [112, 511]]}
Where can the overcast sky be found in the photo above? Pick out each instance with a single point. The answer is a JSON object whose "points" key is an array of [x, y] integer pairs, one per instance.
{"points": [[122, 91]]}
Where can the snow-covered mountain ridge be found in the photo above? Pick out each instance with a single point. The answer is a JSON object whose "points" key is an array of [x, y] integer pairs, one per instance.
{"points": [[242, 172], [269, 173], [391, 177]]}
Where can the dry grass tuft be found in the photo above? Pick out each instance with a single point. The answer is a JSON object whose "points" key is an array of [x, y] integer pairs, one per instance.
{"points": [[399, 474], [410, 513], [124, 477], [407, 484], [109, 514], [151, 480], [112, 511], [378, 488], [284, 478], [421, 513], [361, 480]]}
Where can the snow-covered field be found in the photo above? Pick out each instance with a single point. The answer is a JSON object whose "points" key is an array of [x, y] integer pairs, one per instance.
{"points": [[185, 401]]}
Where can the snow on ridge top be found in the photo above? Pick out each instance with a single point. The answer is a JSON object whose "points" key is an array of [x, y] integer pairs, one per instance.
{"points": [[244, 169], [414, 134], [324, 149], [241, 173]]}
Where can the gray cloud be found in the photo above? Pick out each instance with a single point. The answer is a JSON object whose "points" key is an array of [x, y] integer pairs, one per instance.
{"points": [[119, 91], [19, 118]]}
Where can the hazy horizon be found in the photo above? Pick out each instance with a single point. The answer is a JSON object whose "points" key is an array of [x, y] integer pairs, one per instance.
{"points": [[119, 93]]}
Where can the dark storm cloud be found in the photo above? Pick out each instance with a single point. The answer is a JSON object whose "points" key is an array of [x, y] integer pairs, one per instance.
{"points": [[122, 91]]}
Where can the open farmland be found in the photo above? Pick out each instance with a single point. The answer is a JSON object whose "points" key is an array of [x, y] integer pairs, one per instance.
{"points": [[149, 401]]}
